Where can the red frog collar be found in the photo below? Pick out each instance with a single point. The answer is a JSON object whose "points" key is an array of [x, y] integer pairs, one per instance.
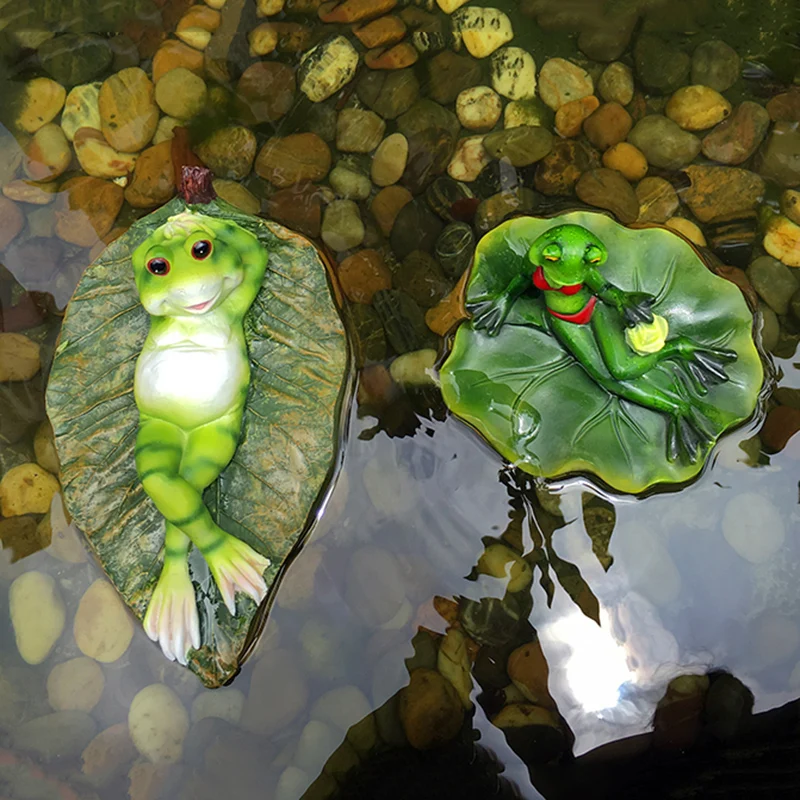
{"points": [[540, 282]]}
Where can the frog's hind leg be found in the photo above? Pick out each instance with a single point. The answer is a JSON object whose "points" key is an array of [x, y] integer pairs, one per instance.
{"points": [[171, 618], [688, 431], [702, 366], [234, 565]]}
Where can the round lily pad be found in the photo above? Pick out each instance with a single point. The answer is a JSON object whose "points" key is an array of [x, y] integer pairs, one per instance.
{"points": [[286, 453], [538, 407]]}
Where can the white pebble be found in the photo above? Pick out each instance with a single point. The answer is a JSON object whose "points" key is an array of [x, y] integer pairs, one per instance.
{"points": [[37, 615], [158, 724]]}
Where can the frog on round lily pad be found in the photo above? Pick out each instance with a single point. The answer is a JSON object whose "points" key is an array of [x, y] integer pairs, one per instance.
{"points": [[601, 349], [195, 396]]}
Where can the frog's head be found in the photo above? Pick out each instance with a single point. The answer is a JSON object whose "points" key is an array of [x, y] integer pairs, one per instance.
{"points": [[188, 266], [566, 253]]}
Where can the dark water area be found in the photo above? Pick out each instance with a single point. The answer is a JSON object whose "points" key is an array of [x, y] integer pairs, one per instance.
{"points": [[451, 626]]}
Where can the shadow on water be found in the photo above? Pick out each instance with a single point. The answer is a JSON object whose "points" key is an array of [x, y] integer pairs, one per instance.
{"points": [[451, 627]]}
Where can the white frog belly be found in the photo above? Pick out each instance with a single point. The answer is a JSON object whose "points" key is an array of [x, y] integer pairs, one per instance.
{"points": [[190, 385]]}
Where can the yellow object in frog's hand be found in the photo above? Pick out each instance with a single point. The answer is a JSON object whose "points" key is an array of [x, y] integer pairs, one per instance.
{"points": [[647, 337]]}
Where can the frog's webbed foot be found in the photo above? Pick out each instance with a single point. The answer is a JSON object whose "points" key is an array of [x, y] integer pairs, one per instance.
{"points": [[489, 314], [236, 567], [705, 366], [688, 434], [171, 618]]}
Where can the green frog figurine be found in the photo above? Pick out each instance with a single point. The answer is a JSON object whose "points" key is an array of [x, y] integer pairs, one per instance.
{"points": [[596, 349], [197, 276], [566, 262]]}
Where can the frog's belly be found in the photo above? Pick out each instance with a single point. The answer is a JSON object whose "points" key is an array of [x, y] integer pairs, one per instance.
{"points": [[190, 386]]}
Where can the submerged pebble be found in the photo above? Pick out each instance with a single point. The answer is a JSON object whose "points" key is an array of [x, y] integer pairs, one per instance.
{"points": [[37, 615]]}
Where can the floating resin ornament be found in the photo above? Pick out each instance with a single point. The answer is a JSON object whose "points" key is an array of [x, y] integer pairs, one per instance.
{"points": [[596, 348], [195, 397]]}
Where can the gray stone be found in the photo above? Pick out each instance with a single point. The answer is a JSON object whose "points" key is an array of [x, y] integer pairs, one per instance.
{"points": [[715, 64], [774, 282], [779, 159], [660, 66], [426, 114], [72, 59], [522, 146], [663, 142], [63, 734]]}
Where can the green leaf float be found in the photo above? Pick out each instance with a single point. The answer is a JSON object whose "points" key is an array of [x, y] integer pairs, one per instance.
{"points": [[596, 348], [156, 419]]}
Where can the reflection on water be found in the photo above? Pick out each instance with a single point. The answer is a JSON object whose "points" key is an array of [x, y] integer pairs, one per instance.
{"points": [[450, 628]]}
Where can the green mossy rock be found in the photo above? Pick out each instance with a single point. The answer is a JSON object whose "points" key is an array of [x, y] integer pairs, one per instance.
{"points": [[289, 438], [535, 403]]}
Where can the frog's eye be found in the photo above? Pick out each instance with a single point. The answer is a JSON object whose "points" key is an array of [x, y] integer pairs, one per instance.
{"points": [[594, 255], [551, 253], [201, 249], [158, 266]]}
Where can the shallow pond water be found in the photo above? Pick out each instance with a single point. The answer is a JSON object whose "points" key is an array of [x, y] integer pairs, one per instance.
{"points": [[450, 627]]}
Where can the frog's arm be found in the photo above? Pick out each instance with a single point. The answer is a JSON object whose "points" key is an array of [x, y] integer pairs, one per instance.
{"points": [[634, 306], [254, 260], [490, 311]]}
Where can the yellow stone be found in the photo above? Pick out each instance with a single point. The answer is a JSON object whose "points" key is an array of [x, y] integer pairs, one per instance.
{"points": [[47, 154], [26, 489], [102, 627], [198, 38], [75, 685], [19, 357], [37, 615], [688, 228], [782, 240], [268, 8], [237, 195], [128, 112], [449, 6], [697, 107], [41, 101], [263, 39], [81, 109], [482, 30], [98, 158]]}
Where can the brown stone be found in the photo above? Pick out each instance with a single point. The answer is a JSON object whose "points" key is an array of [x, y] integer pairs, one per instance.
{"points": [[720, 192], [355, 10], [86, 210], [153, 181], [626, 159], [781, 424], [558, 171], [528, 670], [606, 188], [608, 126], [199, 16], [387, 204], [785, 107], [363, 274], [293, 37], [571, 116], [128, 111], [381, 32], [658, 201], [298, 207], [287, 160], [735, 139], [450, 310], [174, 54], [430, 710], [11, 221], [265, 92], [398, 56]]}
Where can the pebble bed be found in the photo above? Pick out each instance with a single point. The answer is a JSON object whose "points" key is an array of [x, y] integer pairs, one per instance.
{"points": [[393, 134]]}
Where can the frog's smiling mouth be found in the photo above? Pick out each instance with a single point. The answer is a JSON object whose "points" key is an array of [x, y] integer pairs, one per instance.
{"points": [[205, 305]]}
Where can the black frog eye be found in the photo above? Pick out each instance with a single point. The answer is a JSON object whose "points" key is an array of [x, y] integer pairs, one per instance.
{"points": [[158, 266], [201, 249]]}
